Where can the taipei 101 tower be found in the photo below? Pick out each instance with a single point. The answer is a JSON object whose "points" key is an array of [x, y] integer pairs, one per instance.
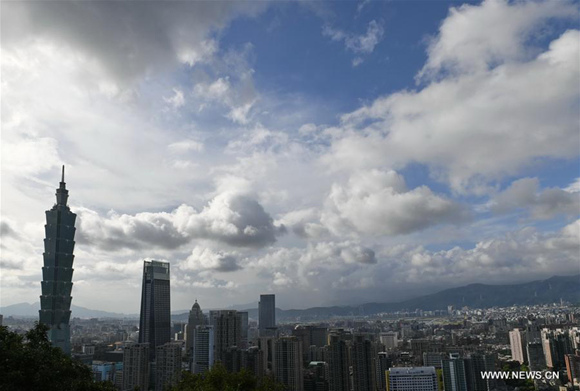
{"points": [[57, 271]]}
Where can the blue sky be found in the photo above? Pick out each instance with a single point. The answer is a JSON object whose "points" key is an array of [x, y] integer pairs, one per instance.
{"points": [[337, 151]]}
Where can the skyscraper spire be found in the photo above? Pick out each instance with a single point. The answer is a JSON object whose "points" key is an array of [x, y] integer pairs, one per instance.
{"points": [[62, 192]]}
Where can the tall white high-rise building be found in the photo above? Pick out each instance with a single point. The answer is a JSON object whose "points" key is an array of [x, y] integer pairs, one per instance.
{"points": [[517, 345], [412, 379]]}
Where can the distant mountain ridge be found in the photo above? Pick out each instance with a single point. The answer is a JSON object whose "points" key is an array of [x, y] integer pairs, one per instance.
{"points": [[547, 291]]}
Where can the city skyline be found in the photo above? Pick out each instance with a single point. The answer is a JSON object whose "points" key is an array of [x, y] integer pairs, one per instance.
{"points": [[385, 151]]}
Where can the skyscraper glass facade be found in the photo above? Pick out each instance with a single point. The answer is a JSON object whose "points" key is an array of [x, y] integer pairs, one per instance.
{"points": [[57, 271], [155, 319]]}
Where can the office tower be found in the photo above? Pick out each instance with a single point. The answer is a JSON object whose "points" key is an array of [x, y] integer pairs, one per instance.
{"points": [[252, 361], [546, 348], [245, 329], [167, 365], [227, 331], [419, 346], [389, 339], [338, 366], [136, 366], [382, 366], [267, 346], [573, 367], [196, 318], [412, 379], [310, 336], [58, 269], [454, 377], [557, 344], [155, 320], [474, 366], [316, 354], [203, 348], [517, 340], [233, 359], [363, 360], [304, 336], [535, 355], [316, 377], [432, 359], [267, 314], [288, 363]]}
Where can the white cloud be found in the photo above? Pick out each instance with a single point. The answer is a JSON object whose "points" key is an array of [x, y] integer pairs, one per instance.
{"points": [[184, 146], [203, 258], [177, 100], [520, 255], [453, 125], [379, 203], [233, 87], [364, 43], [574, 187], [476, 38]]}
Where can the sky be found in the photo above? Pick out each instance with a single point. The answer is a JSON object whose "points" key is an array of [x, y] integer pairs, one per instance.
{"points": [[332, 153]]}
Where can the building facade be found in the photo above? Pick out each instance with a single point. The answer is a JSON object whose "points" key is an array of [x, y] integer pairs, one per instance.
{"points": [[338, 364], [288, 363], [517, 340], [363, 356], [266, 313], [196, 318], [57, 271], [203, 348], [454, 376], [136, 366], [412, 379], [227, 326], [167, 365], [155, 318]]}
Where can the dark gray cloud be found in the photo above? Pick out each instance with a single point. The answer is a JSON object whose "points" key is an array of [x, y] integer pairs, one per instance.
{"points": [[7, 231], [127, 38], [135, 232], [545, 204]]}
